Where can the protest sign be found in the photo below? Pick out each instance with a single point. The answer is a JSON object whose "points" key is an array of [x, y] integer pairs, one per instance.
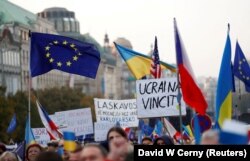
{"points": [[101, 130], [113, 111], [158, 98], [41, 136], [78, 121]]}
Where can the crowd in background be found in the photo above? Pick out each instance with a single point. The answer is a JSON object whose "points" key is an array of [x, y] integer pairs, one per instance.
{"points": [[117, 147]]}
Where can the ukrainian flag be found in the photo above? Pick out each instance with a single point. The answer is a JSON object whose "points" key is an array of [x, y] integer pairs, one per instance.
{"points": [[139, 64], [224, 87], [29, 136], [69, 141]]}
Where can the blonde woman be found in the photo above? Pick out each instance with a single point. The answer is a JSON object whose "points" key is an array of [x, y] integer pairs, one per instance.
{"points": [[9, 156]]}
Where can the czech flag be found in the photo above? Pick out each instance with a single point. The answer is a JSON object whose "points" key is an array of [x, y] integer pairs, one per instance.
{"points": [[50, 126], [191, 92]]}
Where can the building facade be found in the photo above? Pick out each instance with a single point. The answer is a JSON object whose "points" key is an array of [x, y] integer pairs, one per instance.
{"points": [[113, 80], [15, 25]]}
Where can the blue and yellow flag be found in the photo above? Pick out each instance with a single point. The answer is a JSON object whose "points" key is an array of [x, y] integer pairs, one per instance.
{"points": [[224, 87], [69, 141], [139, 64], [62, 53], [29, 136], [241, 67]]}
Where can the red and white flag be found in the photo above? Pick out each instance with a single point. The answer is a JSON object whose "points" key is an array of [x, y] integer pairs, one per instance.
{"points": [[50, 126], [155, 69]]}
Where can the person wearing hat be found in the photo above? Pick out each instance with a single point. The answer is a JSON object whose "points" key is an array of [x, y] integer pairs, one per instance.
{"points": [[32, 151]]}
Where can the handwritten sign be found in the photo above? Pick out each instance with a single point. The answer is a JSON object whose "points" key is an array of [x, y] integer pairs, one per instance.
{"points": [[101, 130], [113, 111], [41, 136], [158, 98], [79, 121]]}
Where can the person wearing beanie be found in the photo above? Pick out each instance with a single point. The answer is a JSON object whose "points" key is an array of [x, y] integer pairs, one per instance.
{"points": [[32, 151]]}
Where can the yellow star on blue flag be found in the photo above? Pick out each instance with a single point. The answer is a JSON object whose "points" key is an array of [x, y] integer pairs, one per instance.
{"points": [[50, 52], [241, 67]]}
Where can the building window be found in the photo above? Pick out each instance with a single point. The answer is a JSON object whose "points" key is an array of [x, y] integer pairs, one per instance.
{"points": [[66, 24], [59, 25], [73, 25]]}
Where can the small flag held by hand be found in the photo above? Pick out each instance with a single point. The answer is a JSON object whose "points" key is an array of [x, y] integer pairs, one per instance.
{"points": [[69, 141]]}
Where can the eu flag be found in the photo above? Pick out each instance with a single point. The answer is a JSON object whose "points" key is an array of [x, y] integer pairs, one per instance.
{"points": [[62, 53], [12, 125], [241, 68]]}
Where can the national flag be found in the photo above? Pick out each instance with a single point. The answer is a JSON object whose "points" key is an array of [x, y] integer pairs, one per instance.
{"points": [[20, 150], [191, 92], [50, 126], [171, 131], [188, 130], [131, 134], [139, 64], [241, 67], [224, 87], [62, 53], [197, 130], [69, 141], [155, 69], [233, 132], [159, 128], [147, 130], [29, 136], [12, 125]]}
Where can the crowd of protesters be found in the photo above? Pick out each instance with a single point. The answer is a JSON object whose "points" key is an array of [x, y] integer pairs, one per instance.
{"points": [[117, 147]]}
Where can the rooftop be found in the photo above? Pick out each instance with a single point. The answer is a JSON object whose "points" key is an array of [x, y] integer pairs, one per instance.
{"points": [[10, 13]]}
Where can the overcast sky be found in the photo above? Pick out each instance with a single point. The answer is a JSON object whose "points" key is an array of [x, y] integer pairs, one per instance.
{"points": [[202, 24]]}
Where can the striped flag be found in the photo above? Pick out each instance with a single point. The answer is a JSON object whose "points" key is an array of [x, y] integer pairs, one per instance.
{"points": [[191, 92], [50, 126], [224, 86], [29, 136], [171, 131], [69, 141], [155, 69]]}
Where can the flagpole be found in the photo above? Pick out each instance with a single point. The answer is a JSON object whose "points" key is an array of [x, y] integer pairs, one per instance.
{"points": [[179, 94], [237, 117], [29, 86], [179, 103]]}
